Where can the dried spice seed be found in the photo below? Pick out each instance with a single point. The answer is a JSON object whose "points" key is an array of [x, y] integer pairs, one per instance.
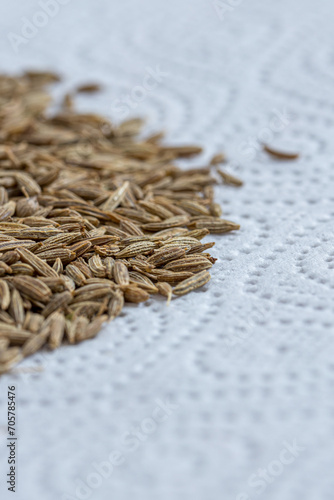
{"points": [[280, 155], [216, 226], [76, 275], [177, 221], [199, 248], [116, 304], [16, 308], [115, 198], [90, 330], [216, 209], [33, 322], [166, 290], [135, 249], [89, 87], [133, 293], [166, 254], [33, 288], [121, 274], [36, 342], [194, 263], [57, 330], [193, 208], [58, 301], [4, 295], [16, 335], [218, 158], [91, 217], [96, 266], [192, 283], [229, 179], [41, 267]]}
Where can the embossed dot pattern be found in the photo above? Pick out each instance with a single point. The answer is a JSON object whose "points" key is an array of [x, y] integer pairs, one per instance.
{"points": [[248, 360]]}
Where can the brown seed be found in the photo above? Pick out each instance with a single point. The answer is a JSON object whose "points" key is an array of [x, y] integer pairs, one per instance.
{"points": [[16, 308], [216, 226], [3, 196], [218, 158], [57, 329], [41, 267], [281, 155], [101, 291], [131, 228], [26, 207], [32, 287], [199, 248], [36, 342], [143, 282], [141, 247], [84, 268], [63, 254], [172, 277], [133, 293], [179, 151], [166, 290], [80, 248], [58, 301], [75, 274], [109, 265], [229, 179], [16, 335], [199, 234], [33, 322], [5, 318], [193, 208], [35, 233], [192, 263], [216, 209], [192, 283], [116, 304], [15, 244], [177, 221], [96, 266], [4, 295], [121, 274], [72, 328], [58, 266], [88, 88], [26, 182], [7, 210], [5, 269], [166, 254], [4, 344], [183, 241], [156, 209], [10, 357], [90, 330], [59, 240], [116, 198]]}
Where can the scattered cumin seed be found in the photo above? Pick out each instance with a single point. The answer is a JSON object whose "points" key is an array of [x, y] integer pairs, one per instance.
{"points": [[229, 179], [88, 88], [192, 283], [166, 290], [281, 155], [218, 158]]}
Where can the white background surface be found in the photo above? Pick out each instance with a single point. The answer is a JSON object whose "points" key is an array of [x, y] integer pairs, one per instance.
{"points": [[249, 360]]}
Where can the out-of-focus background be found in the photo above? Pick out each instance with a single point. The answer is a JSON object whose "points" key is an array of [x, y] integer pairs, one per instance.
{"points": [[228, 392]]}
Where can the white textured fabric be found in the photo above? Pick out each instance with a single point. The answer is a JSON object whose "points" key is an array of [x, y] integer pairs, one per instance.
{"points": [[249, 359]]}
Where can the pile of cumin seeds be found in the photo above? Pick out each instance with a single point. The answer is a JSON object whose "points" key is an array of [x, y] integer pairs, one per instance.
{"points": [[91, 217]]}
